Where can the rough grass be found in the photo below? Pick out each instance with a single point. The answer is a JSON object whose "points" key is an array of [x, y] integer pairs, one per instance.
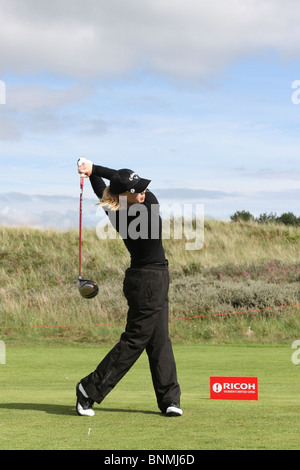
{"points": [[241, 267]]}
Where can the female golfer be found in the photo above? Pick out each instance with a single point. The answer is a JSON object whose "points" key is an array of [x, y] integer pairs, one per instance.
{"points": [[145, 287]]}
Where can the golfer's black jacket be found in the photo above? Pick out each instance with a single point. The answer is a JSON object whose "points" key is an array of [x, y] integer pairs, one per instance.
{"points": [[139, 225]]}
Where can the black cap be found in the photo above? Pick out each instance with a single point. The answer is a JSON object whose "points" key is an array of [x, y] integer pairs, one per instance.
{"points": [[126, 180]]}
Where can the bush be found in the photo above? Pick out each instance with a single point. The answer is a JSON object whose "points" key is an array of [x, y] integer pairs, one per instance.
{"points": [[287, 218], [266, 218], [244, 216]]}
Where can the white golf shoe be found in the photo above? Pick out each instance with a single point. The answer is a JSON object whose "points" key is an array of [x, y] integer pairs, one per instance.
{"points": [[84, 405], [174, 410]]}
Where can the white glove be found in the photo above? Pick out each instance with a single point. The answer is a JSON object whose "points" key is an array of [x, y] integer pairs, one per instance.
{"points": [[85, 167], [83, 160]]}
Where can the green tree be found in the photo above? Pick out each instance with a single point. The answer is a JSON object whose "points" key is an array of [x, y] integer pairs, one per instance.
{"points": [[266, 218], [288, 218], [244, 216]]}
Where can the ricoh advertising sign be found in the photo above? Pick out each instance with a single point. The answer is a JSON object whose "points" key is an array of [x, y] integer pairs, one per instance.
{"points": [[234, 388]]}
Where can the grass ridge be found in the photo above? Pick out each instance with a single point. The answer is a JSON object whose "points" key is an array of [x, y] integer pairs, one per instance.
{"points": [[242, 266]]}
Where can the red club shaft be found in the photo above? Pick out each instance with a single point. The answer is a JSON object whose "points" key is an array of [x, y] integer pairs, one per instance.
{"points": [[80, 222]]}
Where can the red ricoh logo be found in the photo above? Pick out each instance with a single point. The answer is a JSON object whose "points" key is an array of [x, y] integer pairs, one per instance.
{"points": [[234, 388]]}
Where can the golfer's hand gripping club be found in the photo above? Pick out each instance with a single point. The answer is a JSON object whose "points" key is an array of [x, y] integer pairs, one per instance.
{"points": [[85, 167]]}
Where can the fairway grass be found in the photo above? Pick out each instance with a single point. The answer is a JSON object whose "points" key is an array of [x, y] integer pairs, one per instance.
{"points": [[37, 401]]}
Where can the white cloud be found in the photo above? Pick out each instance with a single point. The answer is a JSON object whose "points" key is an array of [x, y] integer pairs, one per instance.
{"points": [[40, 211], [24, 98], [186, 40], [41, 109], [287, 176], [8, 129]]}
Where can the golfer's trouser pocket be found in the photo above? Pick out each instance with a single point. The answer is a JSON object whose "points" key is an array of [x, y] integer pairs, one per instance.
{"points": [[146, 288]]}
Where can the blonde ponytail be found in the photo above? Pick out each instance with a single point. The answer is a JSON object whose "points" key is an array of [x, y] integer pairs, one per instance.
{"points": [[109, 200]]}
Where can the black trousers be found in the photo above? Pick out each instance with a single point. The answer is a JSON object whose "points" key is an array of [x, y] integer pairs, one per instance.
{"points": [[146, 291]]}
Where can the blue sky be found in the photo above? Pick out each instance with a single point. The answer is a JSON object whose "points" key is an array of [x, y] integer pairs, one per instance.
{"points": [[194, 95]]}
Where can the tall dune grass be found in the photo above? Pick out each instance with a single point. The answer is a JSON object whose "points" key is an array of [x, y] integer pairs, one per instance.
{"points": [[242, 266]]}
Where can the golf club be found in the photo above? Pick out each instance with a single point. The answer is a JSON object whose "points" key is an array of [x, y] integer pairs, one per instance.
{"points": [[87, 288]]}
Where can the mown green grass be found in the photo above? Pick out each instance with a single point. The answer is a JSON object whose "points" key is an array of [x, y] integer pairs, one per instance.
{"points": [[37, 401]]}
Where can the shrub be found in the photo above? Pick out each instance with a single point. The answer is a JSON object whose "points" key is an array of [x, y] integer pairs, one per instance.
{"points": [[244, 216], [266, 218], [288, 218]]}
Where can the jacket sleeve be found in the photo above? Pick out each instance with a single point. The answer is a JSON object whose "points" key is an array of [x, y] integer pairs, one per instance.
{"points": [[96, 178]]}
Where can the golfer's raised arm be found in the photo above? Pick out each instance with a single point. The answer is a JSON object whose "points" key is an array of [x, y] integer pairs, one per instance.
{"points": [[99, 172], [103, 171]]}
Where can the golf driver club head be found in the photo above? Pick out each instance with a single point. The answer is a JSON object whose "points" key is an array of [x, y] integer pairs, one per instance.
{"points": [[87, 289]]}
